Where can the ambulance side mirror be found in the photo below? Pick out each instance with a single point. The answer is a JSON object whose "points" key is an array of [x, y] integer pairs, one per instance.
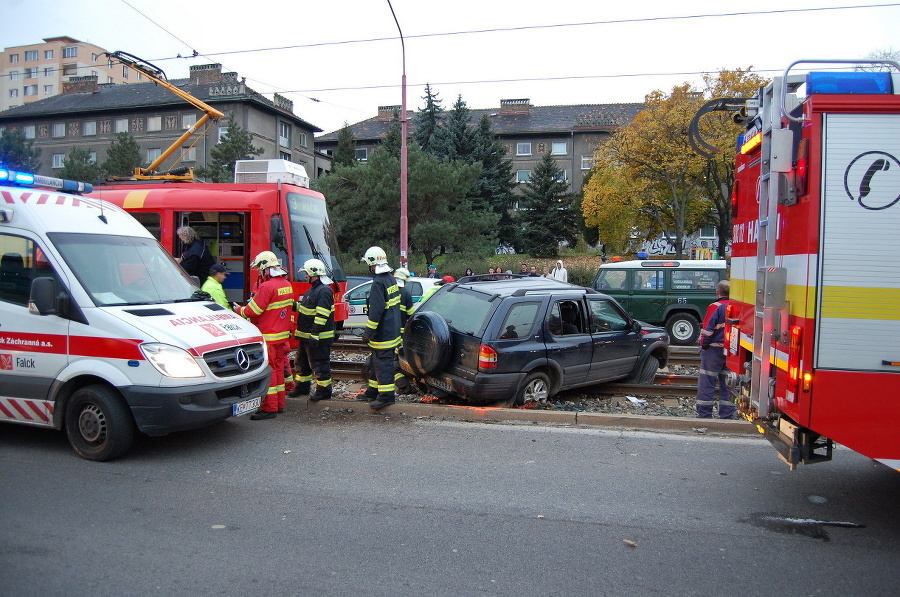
{"points": [[43, 296]]}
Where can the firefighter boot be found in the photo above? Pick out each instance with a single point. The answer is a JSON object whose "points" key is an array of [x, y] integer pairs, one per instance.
{"points": [[301, 388]]}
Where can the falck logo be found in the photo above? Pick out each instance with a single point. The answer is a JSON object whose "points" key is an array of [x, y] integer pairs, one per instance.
{"points": [[213, 329], [242, 359], [6, 362], [873, 179]]}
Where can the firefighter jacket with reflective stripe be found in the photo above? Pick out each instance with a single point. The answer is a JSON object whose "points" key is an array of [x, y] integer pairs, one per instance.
{"points": [[270, 309], [406, 305], [713, 332], [315, 313], [383, 325]]}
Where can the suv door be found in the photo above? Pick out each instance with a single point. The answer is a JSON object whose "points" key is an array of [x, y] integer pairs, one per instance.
{"points": [[569, 343], [646, 296], [616, 346]]}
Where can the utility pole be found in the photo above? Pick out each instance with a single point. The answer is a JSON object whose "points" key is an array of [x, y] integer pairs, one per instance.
{"points": [[404, 220]]}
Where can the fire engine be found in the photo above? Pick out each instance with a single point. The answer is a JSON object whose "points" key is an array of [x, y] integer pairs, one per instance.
{"points": [[813, 325]]}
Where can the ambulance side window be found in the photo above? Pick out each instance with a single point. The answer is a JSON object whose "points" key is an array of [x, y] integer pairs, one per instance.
{"points": [[21, 260]]}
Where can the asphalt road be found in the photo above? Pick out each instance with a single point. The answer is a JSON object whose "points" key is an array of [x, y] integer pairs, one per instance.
{"points": [[379, 505]]}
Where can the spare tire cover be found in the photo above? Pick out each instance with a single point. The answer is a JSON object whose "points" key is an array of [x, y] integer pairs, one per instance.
{"points": [[426, 343]]}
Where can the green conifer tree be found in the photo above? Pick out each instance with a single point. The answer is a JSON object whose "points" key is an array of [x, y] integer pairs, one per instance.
{"points": [[237, 144]]}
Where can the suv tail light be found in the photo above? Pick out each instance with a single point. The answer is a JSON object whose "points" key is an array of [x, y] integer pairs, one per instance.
{"points": [[487, 357]]}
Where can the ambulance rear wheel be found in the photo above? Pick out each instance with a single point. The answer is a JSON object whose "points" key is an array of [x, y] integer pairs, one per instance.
{"points": [[98, 423]]}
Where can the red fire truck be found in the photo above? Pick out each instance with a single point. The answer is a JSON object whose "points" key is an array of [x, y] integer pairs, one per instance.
{"points": [[238, 220], [812, 331]]}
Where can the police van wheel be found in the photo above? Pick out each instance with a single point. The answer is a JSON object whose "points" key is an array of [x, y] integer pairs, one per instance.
{"points": [[683, 328], [98, 423]]}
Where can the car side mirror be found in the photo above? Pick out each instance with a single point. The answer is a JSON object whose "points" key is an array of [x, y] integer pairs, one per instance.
{"points": [[635, 326]]}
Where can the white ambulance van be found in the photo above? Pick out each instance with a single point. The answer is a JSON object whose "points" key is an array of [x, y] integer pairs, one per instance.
{"points": [[102, 333]]}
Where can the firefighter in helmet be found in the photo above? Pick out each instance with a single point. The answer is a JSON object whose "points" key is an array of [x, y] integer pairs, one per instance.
{"points": [[401, 275], [382, 331], [315, 332], [270, 311]]}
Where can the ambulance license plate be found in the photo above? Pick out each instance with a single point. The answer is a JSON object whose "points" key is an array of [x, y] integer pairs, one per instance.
{"points": [[247, 406]]}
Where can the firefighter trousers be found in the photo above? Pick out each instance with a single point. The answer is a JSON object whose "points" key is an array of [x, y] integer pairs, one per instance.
{"points": [[712, 372]]}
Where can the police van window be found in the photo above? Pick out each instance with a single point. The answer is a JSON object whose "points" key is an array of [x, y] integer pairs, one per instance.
{"points": [[610, 279], [21, 260]]}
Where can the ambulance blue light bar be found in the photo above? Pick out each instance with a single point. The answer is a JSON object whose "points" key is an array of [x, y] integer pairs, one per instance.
{"points": [[857, 83], [36, 180]]}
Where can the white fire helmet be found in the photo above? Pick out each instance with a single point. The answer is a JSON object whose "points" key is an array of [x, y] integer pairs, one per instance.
{"points": [[375, 256], [313, 267], [401, 273], [266, 259]]}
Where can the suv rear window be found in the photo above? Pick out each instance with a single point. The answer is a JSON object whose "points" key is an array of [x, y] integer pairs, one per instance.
{"points": [[463, 310], [519, 321]]}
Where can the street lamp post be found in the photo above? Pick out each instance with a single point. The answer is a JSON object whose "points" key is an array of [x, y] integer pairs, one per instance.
{"points": [[404, 232]]}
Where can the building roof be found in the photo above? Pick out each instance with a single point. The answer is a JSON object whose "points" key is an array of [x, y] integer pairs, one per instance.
{"points": [[110, 97], [514, 117]]}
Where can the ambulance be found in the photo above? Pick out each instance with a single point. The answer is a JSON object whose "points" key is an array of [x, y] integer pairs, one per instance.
{"points": [[102, 333]]}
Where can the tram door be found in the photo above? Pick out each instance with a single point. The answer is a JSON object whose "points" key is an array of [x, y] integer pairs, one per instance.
{"points": [[224, 235]]}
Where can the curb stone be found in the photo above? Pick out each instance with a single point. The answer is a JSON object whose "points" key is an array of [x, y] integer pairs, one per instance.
{"points": [[492, 414]]}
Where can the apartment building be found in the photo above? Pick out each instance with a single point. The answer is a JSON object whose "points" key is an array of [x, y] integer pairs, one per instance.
{"points": [[570, 134], [37, 71], [88, 114]]}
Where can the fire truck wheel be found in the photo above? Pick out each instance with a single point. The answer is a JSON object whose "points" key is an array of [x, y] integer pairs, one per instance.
{"points": [[647, 372], [683, 328], [98, 423]]}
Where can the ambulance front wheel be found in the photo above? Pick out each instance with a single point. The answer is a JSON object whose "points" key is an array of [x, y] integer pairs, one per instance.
{"points": [[98, 423]]}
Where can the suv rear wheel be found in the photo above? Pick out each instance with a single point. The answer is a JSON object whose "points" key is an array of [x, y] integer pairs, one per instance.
{"points": [[535, 388], [683, 328]]}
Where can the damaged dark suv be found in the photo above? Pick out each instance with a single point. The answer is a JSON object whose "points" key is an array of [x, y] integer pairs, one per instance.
{"points": [[525, 339]]}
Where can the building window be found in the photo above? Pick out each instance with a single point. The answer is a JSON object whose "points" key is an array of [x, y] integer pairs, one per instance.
{"points": [[523, 176], [154, 123], [561, 176], [30, 90], [223, 133], [92, 157], [124, 72], [90, 128], [109, 63], [523, 148], [59, 130], [188, 120], [153, 154], [31, 55], [362, 154], [31, 73], [13, 75], [284, 134], [94, 57], [13, 93], [29, 131], [303, 140], [284, 156], [70, 70], [48, 89], [587, 162], [58, 160], [121, 125], [48, 54], [109, 79], [558, 148], [70, 52], [189, 153], [48, 72], [13, 58]]}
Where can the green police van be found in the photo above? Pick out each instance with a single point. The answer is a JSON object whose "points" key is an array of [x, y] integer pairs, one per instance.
{"points": [[672, 292]]}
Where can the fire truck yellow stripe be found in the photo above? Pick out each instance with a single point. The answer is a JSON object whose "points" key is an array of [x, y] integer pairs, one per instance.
{"points": [[849, 302], [135, 199]]}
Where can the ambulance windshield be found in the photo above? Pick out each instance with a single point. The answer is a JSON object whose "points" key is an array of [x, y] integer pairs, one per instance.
{"points": [[123, 270]]}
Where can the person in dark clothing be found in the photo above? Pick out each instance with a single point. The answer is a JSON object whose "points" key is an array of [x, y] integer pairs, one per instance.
{"points": [[382, 332], [196, 259], [712, 358], [407, 306], [315, 331]]}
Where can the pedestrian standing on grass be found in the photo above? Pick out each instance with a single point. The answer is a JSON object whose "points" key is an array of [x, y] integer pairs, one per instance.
{"points": [[712, 358], [559, 272]]}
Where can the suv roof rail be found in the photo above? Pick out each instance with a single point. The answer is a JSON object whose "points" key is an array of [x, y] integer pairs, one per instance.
{"points": [[489, 277], [524, 291]]}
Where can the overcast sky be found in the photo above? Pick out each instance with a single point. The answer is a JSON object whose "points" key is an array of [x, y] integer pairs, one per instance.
{"points": [[338, 60]]}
